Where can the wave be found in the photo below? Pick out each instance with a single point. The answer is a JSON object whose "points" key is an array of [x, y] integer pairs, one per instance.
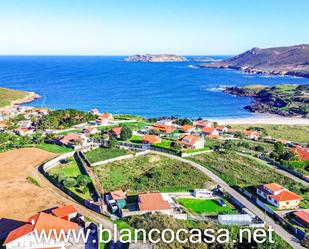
{"points": [[192, 66], [219, 88]]}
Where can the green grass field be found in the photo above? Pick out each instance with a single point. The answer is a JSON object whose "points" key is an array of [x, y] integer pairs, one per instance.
{"points": [[200, 206], [246, 172], [71, 169], [54, 148], [102, 154], [70, 131], [9, 95], [150, 173], [298, 133]]}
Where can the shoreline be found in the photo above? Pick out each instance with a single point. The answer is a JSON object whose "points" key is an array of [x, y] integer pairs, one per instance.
{"points": [[31, 96], [263, 119]]}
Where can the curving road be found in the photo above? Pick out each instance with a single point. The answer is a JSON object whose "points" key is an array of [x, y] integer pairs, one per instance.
{"points": [[289, 238]]}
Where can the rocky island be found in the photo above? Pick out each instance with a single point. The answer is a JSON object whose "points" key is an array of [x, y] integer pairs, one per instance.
{"points": [[156, 58], [293, 60], [285, 100]]}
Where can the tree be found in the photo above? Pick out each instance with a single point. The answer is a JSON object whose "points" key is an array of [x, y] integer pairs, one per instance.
{"points": [[83, 180], [126, 133], [37, 138], [112, 142], [228, 145], [176, 146], [239, 134], [69, 182]]}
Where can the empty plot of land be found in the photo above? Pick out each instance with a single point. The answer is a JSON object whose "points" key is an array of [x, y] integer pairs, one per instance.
{"points": [[21, 197]]}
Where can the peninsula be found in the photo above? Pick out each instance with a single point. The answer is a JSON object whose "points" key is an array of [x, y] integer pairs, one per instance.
{"points": [[9, 97], [293, 60], [285, 100], [156, 58]]}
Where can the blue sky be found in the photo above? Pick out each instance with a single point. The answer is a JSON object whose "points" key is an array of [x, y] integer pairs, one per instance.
{"points": [[121, 27]]}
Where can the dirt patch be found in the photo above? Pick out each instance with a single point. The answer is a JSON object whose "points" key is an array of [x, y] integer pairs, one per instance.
{"points": [[21, 198]]}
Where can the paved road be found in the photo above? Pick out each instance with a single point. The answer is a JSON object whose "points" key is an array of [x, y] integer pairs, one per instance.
{"points": [[281, 171], [278, 229]]}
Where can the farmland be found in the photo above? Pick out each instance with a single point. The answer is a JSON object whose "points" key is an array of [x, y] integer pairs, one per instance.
{"points": [[7, 96]]}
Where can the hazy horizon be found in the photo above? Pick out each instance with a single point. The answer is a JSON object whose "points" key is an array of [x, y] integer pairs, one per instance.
{"points": [[128, 27]]}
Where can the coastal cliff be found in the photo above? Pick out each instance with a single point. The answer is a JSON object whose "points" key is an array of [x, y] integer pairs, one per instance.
{"points": [[156, 58], [284, 100], [293, 60]]}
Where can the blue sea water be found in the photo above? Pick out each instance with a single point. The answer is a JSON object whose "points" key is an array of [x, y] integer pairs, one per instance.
{"points": [[148, 89]]}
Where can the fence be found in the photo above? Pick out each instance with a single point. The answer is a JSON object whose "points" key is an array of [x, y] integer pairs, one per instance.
{"points": [[279, 165]]}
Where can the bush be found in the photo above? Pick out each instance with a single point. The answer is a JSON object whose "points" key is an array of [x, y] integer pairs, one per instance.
{"points": [[126, 133], [69, 182], [83, 180]]}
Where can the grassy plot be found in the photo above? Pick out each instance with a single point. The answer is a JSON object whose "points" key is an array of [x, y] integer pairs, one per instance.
{"points": [[150, 173], [298, 133], [245, 172], [9, 95], [70, 131], [200, 206], [72, 170], [54, 148], [102, 154]]}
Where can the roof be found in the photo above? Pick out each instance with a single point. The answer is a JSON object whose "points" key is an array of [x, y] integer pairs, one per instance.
{"points": [[250, 133], [117, 130], [152, 202], [90, 129], [208, 129], [186, 127], [203, 123], [188, 139], [152, 139], [40, 222], [286, 195], [302, 152], [70, 137], [303, 215], [64, 211], [118, 194], [106, 115], [220, 127], [3, 124], [274, 187], [163, 127]]}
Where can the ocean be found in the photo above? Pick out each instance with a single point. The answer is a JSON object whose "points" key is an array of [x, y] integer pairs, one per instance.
{"points": [[147, 89]]}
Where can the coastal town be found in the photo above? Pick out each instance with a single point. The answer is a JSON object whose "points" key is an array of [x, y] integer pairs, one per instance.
{"points": [[125, 169]]}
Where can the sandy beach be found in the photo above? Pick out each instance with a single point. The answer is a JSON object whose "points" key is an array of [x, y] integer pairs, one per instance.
{"points": [[264, 119]]}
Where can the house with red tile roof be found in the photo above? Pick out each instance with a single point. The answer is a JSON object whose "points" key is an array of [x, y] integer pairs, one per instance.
{"points": [[193, 141], [254, 135], [278, 196], [203, 123], [302, 217], [3, 125], [153, 202], [24, 131], [221, 129], [210, 131], [301, 152], [74, 140], [95, 111], [90, 130], [151, 139], [163, 128], [25, 235], [116, 131], [120, 197], [67, 212], [187, 128]]}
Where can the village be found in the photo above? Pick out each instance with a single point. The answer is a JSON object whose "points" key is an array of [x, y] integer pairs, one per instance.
{"points": [[122, 166]]}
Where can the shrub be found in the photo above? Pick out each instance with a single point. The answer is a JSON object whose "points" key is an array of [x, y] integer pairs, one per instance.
{"points": [[69, 182], [126, 133]]}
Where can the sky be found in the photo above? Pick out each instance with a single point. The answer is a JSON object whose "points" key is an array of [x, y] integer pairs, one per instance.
{"points": [[124, 27]]}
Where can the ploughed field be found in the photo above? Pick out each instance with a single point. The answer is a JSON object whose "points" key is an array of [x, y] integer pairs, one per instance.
{"points": [[150, 173], [22, 191]]}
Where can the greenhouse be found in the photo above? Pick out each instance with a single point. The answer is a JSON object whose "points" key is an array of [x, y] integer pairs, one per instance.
{"points": [[235, 219]]}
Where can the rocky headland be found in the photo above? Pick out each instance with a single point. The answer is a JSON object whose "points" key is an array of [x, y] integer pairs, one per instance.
{"points": [[156, 58], [293, 61], [283, 100]]}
